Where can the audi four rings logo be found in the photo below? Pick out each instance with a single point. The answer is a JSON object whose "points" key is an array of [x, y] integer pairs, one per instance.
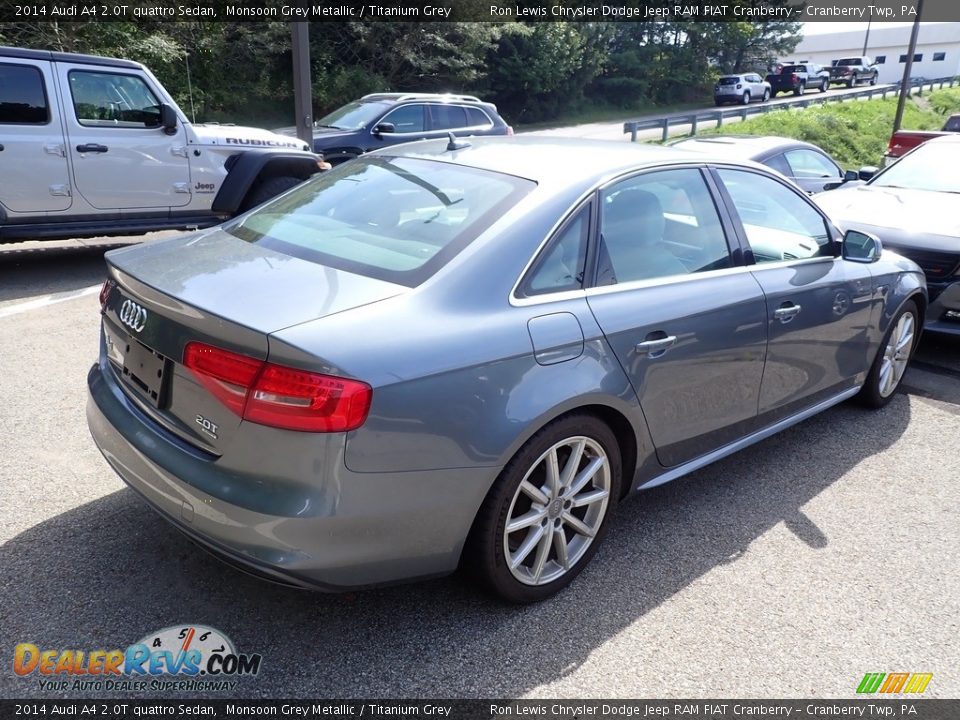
{"points": [[132, 315]]}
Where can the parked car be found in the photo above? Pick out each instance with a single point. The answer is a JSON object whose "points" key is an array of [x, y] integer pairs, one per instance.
{"points": [[854, 70], [798, 77], [742, 88], [466, 353], [383, 119], [912, 207], [805, 164], [96, 146], [903, 141]]}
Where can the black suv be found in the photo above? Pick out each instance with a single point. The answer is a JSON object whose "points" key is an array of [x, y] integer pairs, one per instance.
{"points": [[384, 119], [798, 77]]}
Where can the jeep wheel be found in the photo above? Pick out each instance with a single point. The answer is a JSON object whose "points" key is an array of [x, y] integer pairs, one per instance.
{"points": [[746, 98], [766, 95], [269, 188]]}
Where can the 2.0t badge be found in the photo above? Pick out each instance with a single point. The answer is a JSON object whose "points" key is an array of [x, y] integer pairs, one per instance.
{"points": [[133, 315]]}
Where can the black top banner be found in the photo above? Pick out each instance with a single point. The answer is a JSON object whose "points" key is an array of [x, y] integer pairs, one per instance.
{"points": [[904, 708], [875, 11]]}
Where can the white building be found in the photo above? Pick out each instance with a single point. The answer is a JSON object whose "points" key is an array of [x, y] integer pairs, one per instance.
{"points": [[937, 54]]}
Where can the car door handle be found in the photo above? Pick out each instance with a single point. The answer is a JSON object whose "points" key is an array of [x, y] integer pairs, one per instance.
{"points": [[657, 347], [92, 148], [786, 313]]}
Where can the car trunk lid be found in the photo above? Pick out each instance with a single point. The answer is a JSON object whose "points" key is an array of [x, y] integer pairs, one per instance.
{"points": [[231, 295]]}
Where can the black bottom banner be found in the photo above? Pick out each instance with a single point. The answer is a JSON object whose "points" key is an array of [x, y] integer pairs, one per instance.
{"points": [[912, 709]]}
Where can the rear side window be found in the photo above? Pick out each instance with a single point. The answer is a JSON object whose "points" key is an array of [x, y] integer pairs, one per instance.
{"points": [[561, 267], [447, 117], [394, 219], [477, 118], [23, 100], [810, 164], [104, 99]]}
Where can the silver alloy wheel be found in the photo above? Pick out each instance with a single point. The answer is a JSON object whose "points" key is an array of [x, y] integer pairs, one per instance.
{"points": [[557, 510], [896, 355]]}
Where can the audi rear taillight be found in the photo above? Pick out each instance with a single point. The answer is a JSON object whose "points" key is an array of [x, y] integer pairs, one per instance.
{"points": [[108, 285], [276, 395]]}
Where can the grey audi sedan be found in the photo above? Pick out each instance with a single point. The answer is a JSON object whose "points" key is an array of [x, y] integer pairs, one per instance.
{"points": [[467, 353]]}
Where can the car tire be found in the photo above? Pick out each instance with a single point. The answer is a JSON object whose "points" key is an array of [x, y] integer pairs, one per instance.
{"points": [[557, 526], [766, 96], [873, 80], [852, 81], [718, 102], [892, 359], [798, 90], [268, 189], [745, 99], [824, 86]]}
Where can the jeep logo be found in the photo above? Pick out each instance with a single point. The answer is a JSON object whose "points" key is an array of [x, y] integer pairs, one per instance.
{"points": [[204, 187]]}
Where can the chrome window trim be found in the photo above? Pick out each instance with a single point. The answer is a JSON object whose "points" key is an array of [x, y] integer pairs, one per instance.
{"points": [[517, 300]]}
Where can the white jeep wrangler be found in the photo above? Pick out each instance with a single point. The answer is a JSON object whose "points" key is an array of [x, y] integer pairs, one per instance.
{"points": [[94, 146]]}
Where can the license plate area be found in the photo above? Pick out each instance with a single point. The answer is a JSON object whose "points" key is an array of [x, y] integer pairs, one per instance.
{"points": [[142, 369]]}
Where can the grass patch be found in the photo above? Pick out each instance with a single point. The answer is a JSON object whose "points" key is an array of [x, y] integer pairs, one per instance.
{"points": [[597, 114], [856, 133]]}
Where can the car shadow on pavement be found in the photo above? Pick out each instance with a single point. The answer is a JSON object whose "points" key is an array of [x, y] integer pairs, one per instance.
{"points": [[107, 573]]}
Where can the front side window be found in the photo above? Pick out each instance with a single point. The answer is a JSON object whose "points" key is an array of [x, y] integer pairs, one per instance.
{"points": [[658, 225], [809, 164], [406, 119], [779, 223], [103, 99], [23, 100], [394, 219]]}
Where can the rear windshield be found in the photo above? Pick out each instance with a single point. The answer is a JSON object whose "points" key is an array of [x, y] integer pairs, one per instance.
{"points": [[848, 61], [729, 80], [394, 219], [793, 69]]}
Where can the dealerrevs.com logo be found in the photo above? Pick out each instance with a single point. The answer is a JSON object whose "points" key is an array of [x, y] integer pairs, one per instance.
{"points": [[181, 657]]}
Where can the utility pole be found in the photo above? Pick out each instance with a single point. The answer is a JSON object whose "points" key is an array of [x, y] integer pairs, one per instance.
{"points": [[907, 68], [302, 87], [866, 39]]}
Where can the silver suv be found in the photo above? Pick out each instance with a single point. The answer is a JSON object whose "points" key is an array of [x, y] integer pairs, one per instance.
{"points": [[742, 88]]}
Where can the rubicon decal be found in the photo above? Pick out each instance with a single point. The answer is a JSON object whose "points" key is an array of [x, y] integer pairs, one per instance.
{"points": [[891, 683], [180, 650]]}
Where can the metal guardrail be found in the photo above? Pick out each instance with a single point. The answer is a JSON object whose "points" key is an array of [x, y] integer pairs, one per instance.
{"points": [[744, 111]]}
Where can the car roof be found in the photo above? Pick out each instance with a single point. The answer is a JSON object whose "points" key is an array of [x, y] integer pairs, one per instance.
{"points": [[53, 56], [754, 146], [554, 161], [398, 97]]}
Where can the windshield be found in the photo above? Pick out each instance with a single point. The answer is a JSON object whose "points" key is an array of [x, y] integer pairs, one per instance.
{"points": [[932, 166], [394, 219], [848, 61], [353, 116]]}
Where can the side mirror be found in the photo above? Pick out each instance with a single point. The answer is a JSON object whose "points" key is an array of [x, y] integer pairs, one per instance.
{"points": [[851, 175], [168, 119], [861, 247], [384, 128], [867, 172]]}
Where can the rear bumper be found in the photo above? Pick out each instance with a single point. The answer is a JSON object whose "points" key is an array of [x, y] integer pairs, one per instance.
{"points": [[944, 302], [355, 530]]}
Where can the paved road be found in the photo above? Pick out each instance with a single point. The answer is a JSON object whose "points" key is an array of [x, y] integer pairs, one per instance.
{"points": [[790, 569]]}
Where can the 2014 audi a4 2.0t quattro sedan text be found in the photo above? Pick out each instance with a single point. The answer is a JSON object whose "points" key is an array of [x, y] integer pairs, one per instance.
{"points": [[467, 353]]}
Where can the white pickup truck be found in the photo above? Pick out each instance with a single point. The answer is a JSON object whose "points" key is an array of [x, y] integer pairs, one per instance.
{"points": [[94, 146]]}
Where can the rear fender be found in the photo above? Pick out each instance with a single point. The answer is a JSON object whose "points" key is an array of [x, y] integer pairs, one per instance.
{"points": [[246, 168]]}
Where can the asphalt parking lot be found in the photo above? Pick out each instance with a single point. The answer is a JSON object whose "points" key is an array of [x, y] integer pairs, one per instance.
{"points": [[788, 570]]}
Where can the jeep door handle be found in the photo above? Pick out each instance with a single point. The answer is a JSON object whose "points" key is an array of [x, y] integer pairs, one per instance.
{"points": [[656, 348], [786, 312], [92, 148]]}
